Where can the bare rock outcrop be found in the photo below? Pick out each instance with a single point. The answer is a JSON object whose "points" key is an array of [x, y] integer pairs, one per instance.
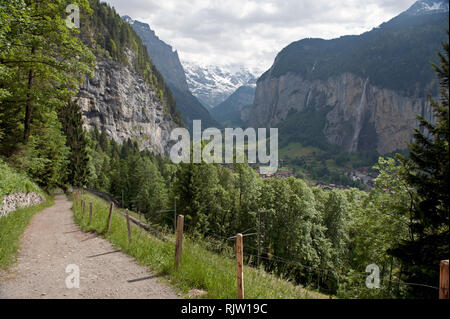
{"points": [[120, 102], [361, 116]]}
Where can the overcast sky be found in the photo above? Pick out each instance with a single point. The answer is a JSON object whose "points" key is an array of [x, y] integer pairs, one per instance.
{"points": [[252, 32]]}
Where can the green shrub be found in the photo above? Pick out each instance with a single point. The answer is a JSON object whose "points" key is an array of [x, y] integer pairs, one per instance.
{"points": [[12, 181]]}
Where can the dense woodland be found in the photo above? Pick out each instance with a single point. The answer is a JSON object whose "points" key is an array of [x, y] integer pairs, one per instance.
{"points": [[318, 238]]}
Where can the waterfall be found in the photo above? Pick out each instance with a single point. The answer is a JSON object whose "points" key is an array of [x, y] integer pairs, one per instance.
{"points": [[358, 126], [307, 98]]}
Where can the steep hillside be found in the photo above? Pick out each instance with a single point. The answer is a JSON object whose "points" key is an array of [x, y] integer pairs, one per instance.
{"points": [[368, 88], [232, 111], [127, 97], [168, 63]]}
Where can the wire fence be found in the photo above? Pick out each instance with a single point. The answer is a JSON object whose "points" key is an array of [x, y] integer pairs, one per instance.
{"points": [[268, 256], [295, 262]]}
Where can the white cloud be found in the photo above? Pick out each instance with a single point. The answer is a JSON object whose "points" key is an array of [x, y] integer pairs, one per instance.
{"points": [[252, 32]]}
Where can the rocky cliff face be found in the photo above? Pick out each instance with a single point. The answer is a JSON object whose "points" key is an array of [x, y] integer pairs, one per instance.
{"points": [[360, 116], [120, 102]]}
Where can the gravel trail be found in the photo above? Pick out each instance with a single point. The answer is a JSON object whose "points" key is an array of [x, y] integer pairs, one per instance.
{"points": [[52, 241]]}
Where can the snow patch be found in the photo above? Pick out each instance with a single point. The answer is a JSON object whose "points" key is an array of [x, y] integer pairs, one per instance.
{"points": [[213, 84]]}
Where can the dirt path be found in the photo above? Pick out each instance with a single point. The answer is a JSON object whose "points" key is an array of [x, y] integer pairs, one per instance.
{"points": [[52, 241]]}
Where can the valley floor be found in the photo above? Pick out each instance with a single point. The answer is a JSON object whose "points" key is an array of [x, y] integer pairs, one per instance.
{"points": [[52, 241]]}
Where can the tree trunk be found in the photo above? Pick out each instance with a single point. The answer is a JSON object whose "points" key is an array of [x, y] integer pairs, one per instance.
{"points": [[29, 104]]}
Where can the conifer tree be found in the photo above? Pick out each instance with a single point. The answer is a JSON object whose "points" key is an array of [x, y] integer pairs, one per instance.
{"points": [[427, 172], [76, 140], [44, 56]]}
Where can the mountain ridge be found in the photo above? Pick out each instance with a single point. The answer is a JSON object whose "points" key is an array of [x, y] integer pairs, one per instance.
{"points": [[168, 63], [371, 85], [213, 84], [127, 96], [232, 111]]}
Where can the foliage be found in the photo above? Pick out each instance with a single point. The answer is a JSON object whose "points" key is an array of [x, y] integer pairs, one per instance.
{"points": [[44, 59], [45, 158], [373, 229], [12, 181], [427, 172], [76, 140], [42, 65], [200, 268], [330, 238], [311, 236]]}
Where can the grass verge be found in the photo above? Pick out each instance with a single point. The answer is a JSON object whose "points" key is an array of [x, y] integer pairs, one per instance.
{"points": [[12, 227], [200, 268]]}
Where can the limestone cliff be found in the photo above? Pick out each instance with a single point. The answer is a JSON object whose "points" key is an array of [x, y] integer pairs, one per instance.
{"points": [[362, 92], [120, 102], [361, 116], [127, 96]]}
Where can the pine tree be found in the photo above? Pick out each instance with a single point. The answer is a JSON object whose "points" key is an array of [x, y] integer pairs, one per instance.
{"points": [[76, 140], [427, 171], [103, 141]]}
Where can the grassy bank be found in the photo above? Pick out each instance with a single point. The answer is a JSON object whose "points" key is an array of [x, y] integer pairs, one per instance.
{"points": [[200, 268], [12, 228], [12, 181], [13, 225]]}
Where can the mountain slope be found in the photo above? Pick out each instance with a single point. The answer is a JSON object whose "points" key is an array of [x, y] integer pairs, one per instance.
{"points": [[214, 84], [368, 88], [127, 96], [168, 63], [231, 111], [162, 55]]}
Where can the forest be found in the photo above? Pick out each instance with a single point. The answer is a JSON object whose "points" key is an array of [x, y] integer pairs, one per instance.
{"points": [[317, 238]]}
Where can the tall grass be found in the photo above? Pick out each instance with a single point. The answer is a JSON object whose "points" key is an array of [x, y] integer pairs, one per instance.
{"points": [[12, 227], [199, 269], [12, 181]]}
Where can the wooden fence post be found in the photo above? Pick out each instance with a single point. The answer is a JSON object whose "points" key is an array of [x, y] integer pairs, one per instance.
{"points": [[443, 282], [179, 240], [90, 213], [239, 266], [109, 217], [128, 226]]}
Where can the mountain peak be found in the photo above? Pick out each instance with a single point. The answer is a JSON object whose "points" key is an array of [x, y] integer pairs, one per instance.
{"points": [[212, 84], [423, 7], [127, 19]]}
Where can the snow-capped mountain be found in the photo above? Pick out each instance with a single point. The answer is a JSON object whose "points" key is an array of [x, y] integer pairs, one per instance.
{"points": [[428, 6], [167, 62], [214, 84]]}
